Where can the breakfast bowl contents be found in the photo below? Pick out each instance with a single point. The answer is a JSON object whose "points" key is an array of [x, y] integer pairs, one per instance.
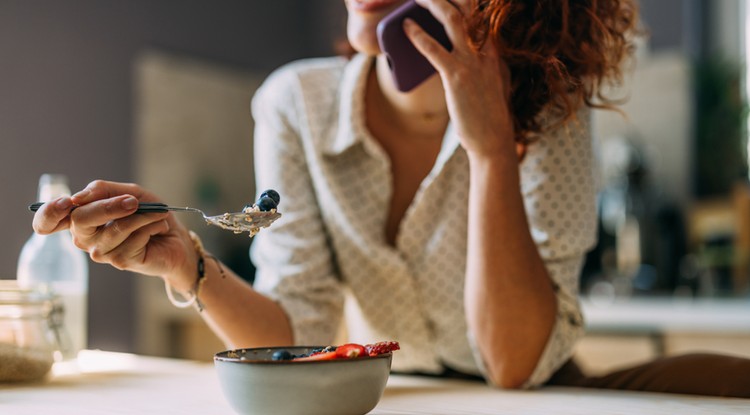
{"points": [[303, 380]]}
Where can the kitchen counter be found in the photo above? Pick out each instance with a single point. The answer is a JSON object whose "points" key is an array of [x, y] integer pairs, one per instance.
{"points": [[118, 383], [629, 331], [662, 314]]}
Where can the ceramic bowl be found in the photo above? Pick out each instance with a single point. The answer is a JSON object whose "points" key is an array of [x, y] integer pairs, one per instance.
{"points": [[253, 383]]}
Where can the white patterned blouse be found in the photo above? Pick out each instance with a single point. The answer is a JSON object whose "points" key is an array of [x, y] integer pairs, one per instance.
{"points": [[327, 257]]}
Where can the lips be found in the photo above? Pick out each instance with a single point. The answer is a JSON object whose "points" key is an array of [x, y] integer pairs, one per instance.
{"points": [[373, 5]]}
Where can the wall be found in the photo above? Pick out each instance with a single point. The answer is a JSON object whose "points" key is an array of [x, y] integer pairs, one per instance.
{"points": [[66, 101]]}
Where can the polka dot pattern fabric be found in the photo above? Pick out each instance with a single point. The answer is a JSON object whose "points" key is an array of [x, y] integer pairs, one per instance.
{"points": [[327, 257]]}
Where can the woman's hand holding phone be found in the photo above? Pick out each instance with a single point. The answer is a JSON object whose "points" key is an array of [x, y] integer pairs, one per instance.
{"points": [[476, 82], [408, 66]]}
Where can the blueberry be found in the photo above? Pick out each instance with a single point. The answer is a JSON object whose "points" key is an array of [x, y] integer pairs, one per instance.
{"points": [[265, 204], [272, 194], [282, 355]]}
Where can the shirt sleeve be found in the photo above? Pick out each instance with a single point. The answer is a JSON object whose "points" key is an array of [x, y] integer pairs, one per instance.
{"points": [[292, 258], [558, 186]]}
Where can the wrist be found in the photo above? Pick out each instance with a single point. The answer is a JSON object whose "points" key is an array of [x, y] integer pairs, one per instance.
{"points": [[505, 164], [505, 151], [197, 275], [182, 275], [189, 290]]}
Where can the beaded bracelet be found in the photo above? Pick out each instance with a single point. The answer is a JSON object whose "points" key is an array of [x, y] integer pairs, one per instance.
{"points": [[193, 293]]}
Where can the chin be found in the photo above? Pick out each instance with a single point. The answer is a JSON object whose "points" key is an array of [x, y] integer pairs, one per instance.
{"points": [[363, 41], [362, 23]]}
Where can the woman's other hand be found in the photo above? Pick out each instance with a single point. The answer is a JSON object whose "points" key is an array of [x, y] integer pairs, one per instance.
{"points": [[476, 83], [103, 224]]}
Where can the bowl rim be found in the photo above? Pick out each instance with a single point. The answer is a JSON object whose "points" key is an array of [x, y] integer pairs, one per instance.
{"points": [[223, 356]]}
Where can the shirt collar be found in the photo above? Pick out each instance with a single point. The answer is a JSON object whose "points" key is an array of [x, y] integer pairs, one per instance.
{"points": [[351, 105]]}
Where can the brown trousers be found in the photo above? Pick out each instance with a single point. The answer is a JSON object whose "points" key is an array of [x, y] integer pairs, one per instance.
{"points": [[695, 374]]}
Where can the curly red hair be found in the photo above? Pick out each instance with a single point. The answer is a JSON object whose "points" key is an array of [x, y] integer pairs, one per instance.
{"points": [[561, 53]]}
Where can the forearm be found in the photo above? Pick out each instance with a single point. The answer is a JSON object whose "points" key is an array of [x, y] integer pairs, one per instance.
{"points": [[239, 315], [510, 302]]}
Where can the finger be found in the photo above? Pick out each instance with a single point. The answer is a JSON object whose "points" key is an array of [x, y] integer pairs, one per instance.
{"points": [[466, 6], [132, 252], [86, 219], [114, 233], [452, 19], [53, 216], [430, 48], [101, 189]]}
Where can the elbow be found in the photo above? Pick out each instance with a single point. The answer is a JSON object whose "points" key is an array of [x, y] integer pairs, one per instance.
{"points": [[510, 375], [510, 381]]}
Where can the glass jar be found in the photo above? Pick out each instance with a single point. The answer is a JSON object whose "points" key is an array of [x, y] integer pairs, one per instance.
{"points": [[30, 328]]}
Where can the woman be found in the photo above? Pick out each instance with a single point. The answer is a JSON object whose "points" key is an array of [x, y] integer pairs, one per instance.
{"points": [[453, 218]]}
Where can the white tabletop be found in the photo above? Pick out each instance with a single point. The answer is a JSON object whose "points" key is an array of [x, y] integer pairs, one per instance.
{"points": [[117, 383]]}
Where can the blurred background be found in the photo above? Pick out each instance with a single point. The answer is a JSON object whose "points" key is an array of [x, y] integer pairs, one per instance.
{"points": [[158, 92]]}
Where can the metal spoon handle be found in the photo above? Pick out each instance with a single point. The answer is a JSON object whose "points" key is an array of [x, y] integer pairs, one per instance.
{"points": [[143, 207]]}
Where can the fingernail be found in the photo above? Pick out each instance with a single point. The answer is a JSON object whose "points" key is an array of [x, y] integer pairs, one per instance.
{"points": [[64, 203], [82, 194], [129, 203]]}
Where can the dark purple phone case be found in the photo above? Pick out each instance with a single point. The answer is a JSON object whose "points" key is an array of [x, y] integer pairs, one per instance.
{"points": [[408, 66]]}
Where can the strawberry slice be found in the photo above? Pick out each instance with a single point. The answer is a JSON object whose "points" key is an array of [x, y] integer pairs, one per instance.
{"points": [[317, 356], [381, 348], [350, 350]]}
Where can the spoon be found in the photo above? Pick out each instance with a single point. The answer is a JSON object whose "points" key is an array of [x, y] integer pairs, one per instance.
{"points": [[250, 220]]}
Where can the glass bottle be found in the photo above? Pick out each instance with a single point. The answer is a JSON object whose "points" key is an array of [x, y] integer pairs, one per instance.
{"points": [[54, 263]]}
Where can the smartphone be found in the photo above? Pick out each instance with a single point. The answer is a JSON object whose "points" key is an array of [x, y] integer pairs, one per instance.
{"points": [[409, 67]]}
